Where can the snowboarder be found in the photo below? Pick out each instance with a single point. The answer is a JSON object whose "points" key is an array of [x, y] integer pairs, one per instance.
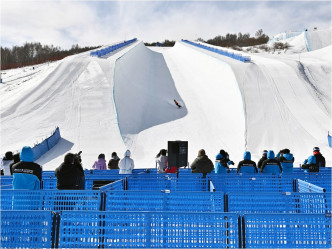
{"points": [[177, 104]]}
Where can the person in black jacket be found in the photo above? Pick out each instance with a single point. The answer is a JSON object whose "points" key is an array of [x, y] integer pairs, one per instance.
{"points": [[114, 162], [202, 164], [270, 161], [320, 159], [247, 162], [70, 173], [264, 157], [16, 158]]}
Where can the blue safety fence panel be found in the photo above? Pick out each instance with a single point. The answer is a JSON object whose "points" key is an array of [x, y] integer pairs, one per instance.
{"points": [[22, 229], [49, 183], [147, 184], [252, 184], [242, 203], [306, 187], [6, 182], [148, 230], [102, 172], [92, 178], [164, 201], [287, 230], [117, 185], [54, 200], [104, 51], [54, 139], [46, 145], [188, 184]]}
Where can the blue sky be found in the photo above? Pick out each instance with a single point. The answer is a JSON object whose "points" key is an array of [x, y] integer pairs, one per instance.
{"points": [[63, 23]]}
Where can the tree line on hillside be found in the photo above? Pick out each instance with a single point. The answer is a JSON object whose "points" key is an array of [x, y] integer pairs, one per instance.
{"points": [[165, 43], [35, 53], [238, 40]]}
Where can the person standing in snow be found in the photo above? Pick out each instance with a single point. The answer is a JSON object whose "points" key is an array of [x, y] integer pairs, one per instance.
{"points": [[320, 159], [247, 165], [177, 104], [126, 164], [263, 158], [26, 173], [100, 164], [69, 174], [202, 164], [114, 162], [162, 161]]}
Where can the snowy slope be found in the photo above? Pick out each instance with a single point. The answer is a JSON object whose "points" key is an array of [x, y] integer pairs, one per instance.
{"points": [[126, 101]]}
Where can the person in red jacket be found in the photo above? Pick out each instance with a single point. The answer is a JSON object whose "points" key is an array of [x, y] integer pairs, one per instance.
{"points": [[320, 160]]}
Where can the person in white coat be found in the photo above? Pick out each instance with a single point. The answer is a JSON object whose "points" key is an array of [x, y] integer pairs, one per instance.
{"points": [[126, 164]]}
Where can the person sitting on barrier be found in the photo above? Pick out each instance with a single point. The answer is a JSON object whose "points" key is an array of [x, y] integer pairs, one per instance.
{"points": [[247, 165], [101, 163], [26, 173], [310, 164], [286, 160], [114, 162], [6, 161], [263, 158], [16, 158], [320, 159], [220, 165], [69, 175], [126, 164], [271, 165], [226, 156], [162, 161], [202, 164]]}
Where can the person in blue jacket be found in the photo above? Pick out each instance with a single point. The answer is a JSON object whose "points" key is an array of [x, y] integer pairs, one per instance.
{"points": [[271, 165], [247, 165], [286, 160], [26, 173], [220, 165], [310, 164]]}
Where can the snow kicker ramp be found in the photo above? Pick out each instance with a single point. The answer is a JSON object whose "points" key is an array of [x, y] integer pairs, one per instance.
{"points": [[144, 92]]}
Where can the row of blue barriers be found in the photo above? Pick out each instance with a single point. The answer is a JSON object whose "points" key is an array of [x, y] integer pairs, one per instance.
{"points": [[104, 51], [97, 229], [220, 51]]}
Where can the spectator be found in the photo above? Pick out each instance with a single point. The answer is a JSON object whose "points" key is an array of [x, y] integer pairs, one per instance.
{"points": [[247, 165], [100, 164], [69, 174], [271, 165], [6, 161], [16, 158], [263, 158], [162, 161], [226, 157], [310, 164], [220, 165], [114, 162], [202, 164], [26, 173], [126, 164], [286, 160], [320, 160]]}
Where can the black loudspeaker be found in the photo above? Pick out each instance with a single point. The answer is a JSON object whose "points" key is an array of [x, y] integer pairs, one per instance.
{"points": [[178, 153]]}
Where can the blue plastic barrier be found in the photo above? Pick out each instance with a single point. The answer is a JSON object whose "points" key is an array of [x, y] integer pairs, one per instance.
{"points": [[104, 51], [22, 229], [220, 51], [46, 145], [148, 230], [240, 202], [54, 200], [306, 187], [287, 230], [164, 201], [117, 185]]}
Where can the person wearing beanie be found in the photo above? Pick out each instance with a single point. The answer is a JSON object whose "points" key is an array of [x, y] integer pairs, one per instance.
{"points": [[263, 158], [220, 165], [202, 164], [26, 173], [286, 160], [69, 175], [126, 164], [310, 164], [247, 165], [6, 161], [100, 164], [16, 158], [271, 165], [320, 159], [114, 162]]}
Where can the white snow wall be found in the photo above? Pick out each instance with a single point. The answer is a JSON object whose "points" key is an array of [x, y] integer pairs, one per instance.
{"points": [[144, 92]]}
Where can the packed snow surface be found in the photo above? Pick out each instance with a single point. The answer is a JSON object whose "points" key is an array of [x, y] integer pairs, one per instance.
{"points": [[126, 101]]}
